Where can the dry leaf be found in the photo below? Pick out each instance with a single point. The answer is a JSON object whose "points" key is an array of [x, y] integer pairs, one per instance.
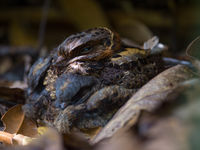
{"points": [[193, 51], [148, 98], [28, 128], [13, 119], [151, 43], [15, 122]]}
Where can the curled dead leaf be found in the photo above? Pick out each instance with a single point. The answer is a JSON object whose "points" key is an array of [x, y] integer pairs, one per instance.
{"points": [[193, 51], [13, 119], [15, 122], [28, 128]]}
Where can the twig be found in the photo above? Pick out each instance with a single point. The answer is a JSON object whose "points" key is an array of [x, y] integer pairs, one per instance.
{"points": [[43, 24]]}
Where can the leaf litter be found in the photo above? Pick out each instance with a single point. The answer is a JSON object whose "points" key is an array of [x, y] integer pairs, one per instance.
{"points": [[166, 132]]}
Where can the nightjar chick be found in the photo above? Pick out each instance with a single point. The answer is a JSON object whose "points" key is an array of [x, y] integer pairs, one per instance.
{"points": [[86, 79]]}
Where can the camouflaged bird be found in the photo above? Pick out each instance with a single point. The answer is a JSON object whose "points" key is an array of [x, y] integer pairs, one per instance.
{"points": [[86, 79]]}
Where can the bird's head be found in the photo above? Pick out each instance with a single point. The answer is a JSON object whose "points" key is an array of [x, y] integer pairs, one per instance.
{"points": [[91, 45]]}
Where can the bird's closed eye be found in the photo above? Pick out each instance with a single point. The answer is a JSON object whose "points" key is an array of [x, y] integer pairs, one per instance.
{"points": [[86, 49]]}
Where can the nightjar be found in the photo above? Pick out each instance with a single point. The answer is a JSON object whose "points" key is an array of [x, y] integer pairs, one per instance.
{"points": [[86, 79]]}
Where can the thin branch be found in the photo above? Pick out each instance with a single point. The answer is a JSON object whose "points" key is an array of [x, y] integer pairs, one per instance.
{"points": [[43, 24]]}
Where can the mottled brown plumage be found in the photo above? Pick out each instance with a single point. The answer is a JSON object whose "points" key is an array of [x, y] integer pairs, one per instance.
{"points": [[87, 79]]}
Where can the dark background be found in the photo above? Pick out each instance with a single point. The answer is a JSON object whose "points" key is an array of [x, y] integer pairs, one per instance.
{"points": [[176, 22]]}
